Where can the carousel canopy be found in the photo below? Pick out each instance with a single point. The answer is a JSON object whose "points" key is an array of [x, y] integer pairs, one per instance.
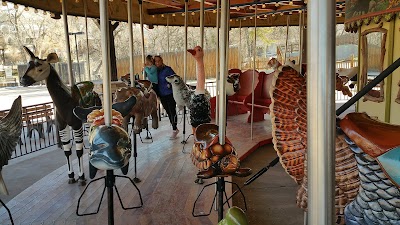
{"points": [[359, 12], [163, 12]]}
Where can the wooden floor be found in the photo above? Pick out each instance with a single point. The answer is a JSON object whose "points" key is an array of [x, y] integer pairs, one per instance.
{"points": [[167, 188]]}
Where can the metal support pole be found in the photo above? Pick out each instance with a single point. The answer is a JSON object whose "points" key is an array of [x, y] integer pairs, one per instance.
{"points": [[254, 72], [321, 112], [240, 45], [87, 42], [142, 33], [301, 39], [130, 32], [217, 65], [77, 58], [110, 181], [168, 35], [185, 68], [287, 38], [224, 43], [202, 23], [67, 44], [105, 42], [220, 195]]}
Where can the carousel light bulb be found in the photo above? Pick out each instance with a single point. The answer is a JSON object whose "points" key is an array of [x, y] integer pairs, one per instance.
{"points": [[291, 3], [264, 6], [193, 13], [258, 17], [340, 6], [273, 14], [300, 11], [244, 18], [277, 4], [15, 6], [173, 14], [230, 20], [237, 9], [281, 13], [76, 1], [26, 8], [214, 11], [290, 13], [162, 15], [183, 14], [95, 0], [265, 16], [110, 0], [153, 16], [251, 17], [340, 14]]}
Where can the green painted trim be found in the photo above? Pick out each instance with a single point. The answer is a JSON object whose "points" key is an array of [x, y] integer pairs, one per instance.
{"points": [[388, 94]]}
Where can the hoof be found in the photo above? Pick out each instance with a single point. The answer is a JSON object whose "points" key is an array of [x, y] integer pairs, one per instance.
{"points": [[71, 180], [82, 182], [136, 180]]}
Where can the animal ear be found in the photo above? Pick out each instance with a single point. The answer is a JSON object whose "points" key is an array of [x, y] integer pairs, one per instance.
{"points": [[125, 107], [52, 58], [82, 113]]}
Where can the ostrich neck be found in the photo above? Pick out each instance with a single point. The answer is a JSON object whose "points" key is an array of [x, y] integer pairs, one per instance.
{"points": [[200, 74], [59, 92]]}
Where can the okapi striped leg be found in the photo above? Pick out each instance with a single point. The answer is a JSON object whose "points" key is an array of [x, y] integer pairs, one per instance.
{"points": [[78, 137], [65, 137]]}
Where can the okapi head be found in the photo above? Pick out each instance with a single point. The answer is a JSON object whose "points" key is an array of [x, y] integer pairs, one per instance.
{"points": [[38, 69]]}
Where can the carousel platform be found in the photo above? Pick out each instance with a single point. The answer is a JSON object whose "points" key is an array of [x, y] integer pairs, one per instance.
{"points": [[167, 184]]}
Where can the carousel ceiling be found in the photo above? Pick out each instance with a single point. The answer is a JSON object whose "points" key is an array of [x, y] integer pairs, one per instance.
{"points": [[163, 12]]}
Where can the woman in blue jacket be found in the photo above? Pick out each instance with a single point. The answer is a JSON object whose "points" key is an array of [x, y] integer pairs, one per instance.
{"points": [[165, 93]]}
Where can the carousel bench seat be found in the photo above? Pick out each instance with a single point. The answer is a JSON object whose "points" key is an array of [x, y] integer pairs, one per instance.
{"points": [[262, 99], [372, 136]]}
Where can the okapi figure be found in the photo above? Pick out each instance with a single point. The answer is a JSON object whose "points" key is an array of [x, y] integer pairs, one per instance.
{"points": [[40, 69]]}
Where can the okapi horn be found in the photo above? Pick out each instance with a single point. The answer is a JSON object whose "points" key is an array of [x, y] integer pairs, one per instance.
{"points": [[29, 52], [125, 107]]}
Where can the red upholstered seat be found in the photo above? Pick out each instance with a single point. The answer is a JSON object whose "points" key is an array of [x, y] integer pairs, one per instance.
{"points": [[262, 99]]}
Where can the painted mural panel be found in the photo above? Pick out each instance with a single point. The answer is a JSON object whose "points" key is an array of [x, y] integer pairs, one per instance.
{"points": [[360, 9]]}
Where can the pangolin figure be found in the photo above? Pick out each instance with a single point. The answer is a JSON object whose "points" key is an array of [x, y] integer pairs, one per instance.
{"points": [[289, 131], [10, 131]]}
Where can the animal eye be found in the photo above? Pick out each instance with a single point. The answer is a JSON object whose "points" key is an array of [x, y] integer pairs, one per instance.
{"points": [[40, 70]]}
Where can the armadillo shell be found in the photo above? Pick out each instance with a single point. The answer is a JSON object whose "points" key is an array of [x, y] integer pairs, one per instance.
{"points": [[229, 164]]}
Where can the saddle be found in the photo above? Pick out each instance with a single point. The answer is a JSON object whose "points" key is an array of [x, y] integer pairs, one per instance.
{"points": [[372, 136], [212, 158]]}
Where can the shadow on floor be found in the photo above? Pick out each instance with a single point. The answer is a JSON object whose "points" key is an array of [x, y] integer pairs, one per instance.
{"points": [[271, 199]]}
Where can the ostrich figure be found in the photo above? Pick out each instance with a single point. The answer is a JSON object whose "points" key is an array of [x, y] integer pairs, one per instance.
{"points": [[40, 69]]}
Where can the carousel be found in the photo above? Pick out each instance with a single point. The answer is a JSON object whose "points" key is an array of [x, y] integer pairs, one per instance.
{"points": [[345, 166]]}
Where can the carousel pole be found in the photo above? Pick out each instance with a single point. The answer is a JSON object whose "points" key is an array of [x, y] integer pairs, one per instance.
{"points": [[168, 35], [142, 32], [185, 69], [132, 76], [301, 25], [110, 179], [224, 43], [130, 31], [217, 65], [254, 71], [321, 111], [287, 38], [202, 23], [71, 78], [240, 45], [87, 41]]}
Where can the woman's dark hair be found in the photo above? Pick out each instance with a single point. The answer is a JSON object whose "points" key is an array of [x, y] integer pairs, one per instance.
{"points": [[150, 58]]}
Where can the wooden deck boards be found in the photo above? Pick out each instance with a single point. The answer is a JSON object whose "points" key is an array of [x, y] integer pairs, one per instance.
{"points": [[168, 189]]}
